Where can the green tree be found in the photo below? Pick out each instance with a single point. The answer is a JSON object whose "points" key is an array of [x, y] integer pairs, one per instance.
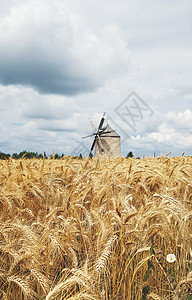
{"points": [[4, 155], [130, 154]]}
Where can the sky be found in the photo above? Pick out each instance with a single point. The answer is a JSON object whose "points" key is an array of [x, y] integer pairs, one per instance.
{"points": [[64, 63]]}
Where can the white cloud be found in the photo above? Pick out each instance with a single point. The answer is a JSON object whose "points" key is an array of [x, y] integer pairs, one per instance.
{"points": [[182, 120], [173, 134], [164, 135]]}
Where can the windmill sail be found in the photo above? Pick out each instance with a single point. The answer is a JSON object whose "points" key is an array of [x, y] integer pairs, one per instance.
{"points": [[106, 140], [101, 123], [93, 145]]}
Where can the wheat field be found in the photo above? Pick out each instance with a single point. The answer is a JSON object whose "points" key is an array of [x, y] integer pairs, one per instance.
{"points": [[96, 229]]}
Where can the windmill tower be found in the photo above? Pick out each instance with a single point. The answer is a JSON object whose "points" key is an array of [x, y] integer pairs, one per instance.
{"points": [[106, 142]]}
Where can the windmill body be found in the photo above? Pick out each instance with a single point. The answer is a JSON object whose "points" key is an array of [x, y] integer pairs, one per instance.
{"points": [[106, 142]]}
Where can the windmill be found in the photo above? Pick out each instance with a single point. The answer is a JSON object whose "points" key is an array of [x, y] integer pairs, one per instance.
{"points": [[106, 141]]}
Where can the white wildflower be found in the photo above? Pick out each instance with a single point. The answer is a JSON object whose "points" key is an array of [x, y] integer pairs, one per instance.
{"points": [[171, 258]]}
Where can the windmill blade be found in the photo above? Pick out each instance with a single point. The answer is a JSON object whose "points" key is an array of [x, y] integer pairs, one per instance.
{"points": [[101, 123], [93, 126], [100, 144], [84, 137], [105, 145], [111, 136], [93, 145], [102, 133]]}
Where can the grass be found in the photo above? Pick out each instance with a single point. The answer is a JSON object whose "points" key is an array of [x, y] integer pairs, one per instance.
{"points": [[96, 229]]}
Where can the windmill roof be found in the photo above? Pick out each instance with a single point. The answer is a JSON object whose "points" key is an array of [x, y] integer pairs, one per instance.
{"points": [[111, 132]]}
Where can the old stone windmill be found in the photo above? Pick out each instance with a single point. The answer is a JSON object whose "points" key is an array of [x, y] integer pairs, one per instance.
{"points": [[106, 141]]}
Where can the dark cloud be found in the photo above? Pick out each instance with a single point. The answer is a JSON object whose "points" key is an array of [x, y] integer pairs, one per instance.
{"points": [[43, 47], [43, 77], [57, 129]]}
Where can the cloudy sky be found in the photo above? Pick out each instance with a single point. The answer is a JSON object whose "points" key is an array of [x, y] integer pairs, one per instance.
{"points": [[63, 63]]}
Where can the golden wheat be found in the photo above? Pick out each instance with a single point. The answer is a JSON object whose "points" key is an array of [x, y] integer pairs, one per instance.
{"points": [[96, 228]]}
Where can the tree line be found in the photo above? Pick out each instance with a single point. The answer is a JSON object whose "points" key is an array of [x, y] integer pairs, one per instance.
{"points": [[29, 155]]}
